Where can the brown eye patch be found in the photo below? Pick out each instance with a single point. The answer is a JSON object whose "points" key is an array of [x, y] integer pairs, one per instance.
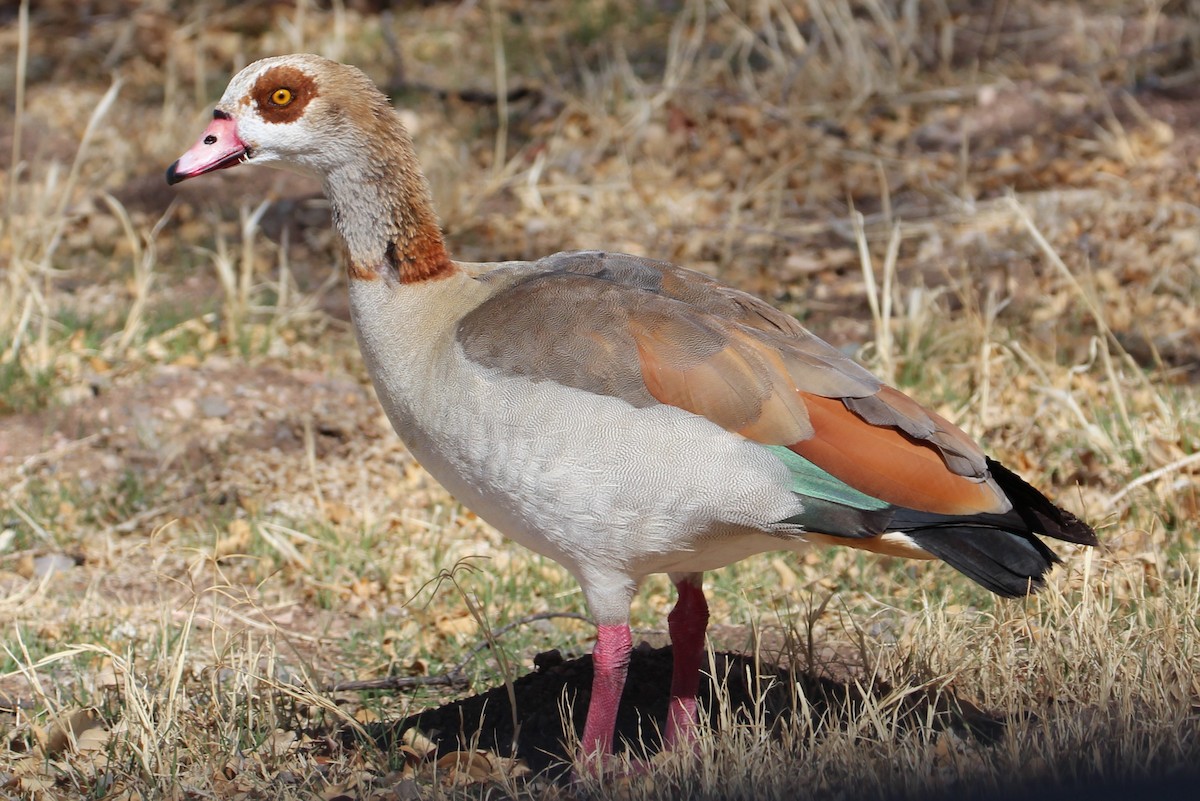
{"points": [[280, 82]]}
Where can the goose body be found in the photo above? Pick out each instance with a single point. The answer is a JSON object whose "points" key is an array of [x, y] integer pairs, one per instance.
{"points": [[620, 415], [584, 479]]}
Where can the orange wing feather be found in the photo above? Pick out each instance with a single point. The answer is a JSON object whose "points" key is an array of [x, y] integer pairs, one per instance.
{"points": [[737, 384], [887, 464]]}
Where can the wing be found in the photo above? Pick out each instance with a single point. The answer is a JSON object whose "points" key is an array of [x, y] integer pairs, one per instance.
{"points": [[650, 332]]}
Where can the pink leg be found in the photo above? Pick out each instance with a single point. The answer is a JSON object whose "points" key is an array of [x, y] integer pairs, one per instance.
{"points": [[687, 623], [610, 664]]}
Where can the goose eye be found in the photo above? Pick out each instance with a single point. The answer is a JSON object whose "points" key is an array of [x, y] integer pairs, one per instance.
{"points": [[281, 97]]}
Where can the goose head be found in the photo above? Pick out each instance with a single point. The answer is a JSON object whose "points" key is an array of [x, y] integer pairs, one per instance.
{"points": [[301, 112], [311, 115]]}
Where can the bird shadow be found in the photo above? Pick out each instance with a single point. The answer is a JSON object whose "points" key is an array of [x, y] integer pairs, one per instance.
{"points": [[736, 688]]}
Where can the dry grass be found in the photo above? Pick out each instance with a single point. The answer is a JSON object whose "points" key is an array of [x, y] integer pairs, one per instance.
{"points": [[206, 523]]}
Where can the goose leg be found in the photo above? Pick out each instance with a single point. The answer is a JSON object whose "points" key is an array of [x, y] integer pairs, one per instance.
{"points": [[610, 664], [687, 624]]}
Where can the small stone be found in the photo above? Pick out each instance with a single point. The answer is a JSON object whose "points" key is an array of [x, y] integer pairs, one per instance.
{"points": [[184, 408], [73, 394], [52, 563], [212, 406]]}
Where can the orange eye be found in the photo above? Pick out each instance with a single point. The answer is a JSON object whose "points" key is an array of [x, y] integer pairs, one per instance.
{"points": [[281, 97]]}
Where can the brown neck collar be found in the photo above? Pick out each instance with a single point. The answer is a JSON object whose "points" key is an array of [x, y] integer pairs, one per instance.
{"points": [[382, 207], [412, 253], [422, 260]]}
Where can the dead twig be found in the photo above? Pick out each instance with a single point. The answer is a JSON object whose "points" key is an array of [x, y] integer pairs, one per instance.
{"points": [[451, 679], [456, 677]]}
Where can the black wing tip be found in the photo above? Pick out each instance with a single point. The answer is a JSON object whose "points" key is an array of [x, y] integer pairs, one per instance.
{"points": [[1075, 530], [1042, 516]]}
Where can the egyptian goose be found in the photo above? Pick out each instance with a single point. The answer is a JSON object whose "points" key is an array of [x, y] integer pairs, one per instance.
{"points": [[620, 415]]}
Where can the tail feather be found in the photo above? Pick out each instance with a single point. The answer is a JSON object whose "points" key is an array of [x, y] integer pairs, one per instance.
{"points": [[1002, 552], [1005, 563]]}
